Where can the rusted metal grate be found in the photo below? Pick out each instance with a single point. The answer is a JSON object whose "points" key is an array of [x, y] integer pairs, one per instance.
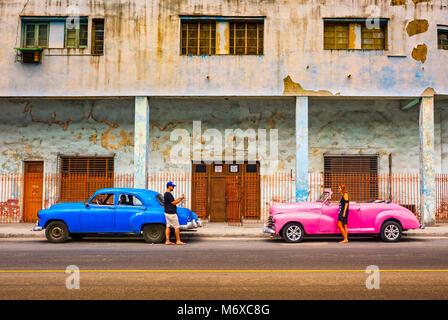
{"points": [[246, 38], [402, 188], [373, 39], [336, 35], [81, 176], [98, 36], [198, 38], [351, 170]]}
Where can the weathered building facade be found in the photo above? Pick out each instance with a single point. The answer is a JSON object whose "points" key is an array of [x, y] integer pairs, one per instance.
{"points": [[336, 80]]}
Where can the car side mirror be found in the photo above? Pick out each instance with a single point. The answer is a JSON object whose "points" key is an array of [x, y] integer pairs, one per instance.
{"points": [[86, 204]]}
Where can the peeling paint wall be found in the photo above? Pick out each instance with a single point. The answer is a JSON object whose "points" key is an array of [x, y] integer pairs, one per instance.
{"points": [[44, 129], [220, 114], [31, 130], [142, 51], [372, 127]]}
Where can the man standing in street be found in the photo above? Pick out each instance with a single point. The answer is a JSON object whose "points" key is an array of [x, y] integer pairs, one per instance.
{"points": [[172, 221]]}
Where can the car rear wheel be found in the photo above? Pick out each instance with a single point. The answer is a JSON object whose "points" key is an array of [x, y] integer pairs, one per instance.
{"points": [[293, 232], [391, 231], [154, 233], [56, 232]]}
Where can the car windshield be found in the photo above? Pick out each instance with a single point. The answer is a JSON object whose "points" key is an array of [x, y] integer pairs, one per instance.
{"points": [[323, 196]]}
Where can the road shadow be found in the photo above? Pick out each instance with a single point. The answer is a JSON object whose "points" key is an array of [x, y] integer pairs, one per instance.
{"points": [[107, 238], [354, 239]]}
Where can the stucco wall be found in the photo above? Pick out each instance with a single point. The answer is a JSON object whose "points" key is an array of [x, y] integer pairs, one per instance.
{"points": [[369, 127], [42, 129], [142, 51]]}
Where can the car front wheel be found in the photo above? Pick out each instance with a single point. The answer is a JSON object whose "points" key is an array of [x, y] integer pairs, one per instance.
{"points": [[293, 232], [56, 232], [154, 233], [391, 231]]}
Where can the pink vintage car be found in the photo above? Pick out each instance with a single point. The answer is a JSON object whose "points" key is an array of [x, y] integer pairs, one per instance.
{"points": [[293, 221]]}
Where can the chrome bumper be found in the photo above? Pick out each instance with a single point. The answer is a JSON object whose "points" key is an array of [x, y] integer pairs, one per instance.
{"points": [[268, 230], [37, 227], [191, 225]]}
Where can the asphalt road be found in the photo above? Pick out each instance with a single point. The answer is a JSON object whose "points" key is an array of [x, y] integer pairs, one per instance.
{"points": [[224, 269]]}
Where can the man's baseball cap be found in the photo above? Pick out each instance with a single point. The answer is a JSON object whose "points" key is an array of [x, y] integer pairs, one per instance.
{"points": [[170, 184]]}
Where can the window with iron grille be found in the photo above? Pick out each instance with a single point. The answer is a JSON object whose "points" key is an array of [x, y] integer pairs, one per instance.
{"points": [[442, 38], [341, 34], [36, 35], [246, 38], [336, 35], [359, 173], [198, 38], [76, 34], [373, 38], [82, 176], [98, 36]]}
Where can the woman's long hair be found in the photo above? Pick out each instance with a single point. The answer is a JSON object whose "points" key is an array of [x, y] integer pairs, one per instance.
{"points": [[344, 190]]}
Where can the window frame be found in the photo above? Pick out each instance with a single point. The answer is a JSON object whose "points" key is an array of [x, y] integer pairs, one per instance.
{"points": [[113, 194], [36, 25], [82, 21], [128, 205], [384, 25], [441, 29], [246, 22], [213, 28], [384, 28], [335, 24], [94, 41]]}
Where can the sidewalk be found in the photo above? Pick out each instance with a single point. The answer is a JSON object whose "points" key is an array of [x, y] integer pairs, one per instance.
{"points": [[211, 230]]}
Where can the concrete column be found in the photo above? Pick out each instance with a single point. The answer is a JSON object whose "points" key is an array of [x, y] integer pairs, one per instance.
{"points": [[427, 175], [302, 186], [141, 142]]}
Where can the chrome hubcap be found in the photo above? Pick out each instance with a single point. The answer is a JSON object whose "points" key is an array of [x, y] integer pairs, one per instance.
{"points": [[391, 232], [294, 233]]}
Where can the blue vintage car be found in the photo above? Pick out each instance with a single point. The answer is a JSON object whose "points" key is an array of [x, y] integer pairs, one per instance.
{"points": [[114, 211]]}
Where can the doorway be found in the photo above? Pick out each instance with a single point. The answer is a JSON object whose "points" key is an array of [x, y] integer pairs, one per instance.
{"points": [[226, 192], [33, 186]]}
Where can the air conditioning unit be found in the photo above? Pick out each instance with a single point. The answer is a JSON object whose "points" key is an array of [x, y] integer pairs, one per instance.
{"points": [[29, 55]]}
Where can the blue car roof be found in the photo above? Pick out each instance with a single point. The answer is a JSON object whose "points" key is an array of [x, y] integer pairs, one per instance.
{"points": [[143, 193]]}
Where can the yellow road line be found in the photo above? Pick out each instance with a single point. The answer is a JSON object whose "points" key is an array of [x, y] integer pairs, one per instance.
{"points": [[221, 271]]}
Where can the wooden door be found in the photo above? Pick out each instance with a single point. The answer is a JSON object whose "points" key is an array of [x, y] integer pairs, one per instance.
{"points": [[218, 199], [33, 186], [226, 192]]}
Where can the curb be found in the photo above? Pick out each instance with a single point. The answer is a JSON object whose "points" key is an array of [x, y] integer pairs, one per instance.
{"points": [[216, 235]]}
